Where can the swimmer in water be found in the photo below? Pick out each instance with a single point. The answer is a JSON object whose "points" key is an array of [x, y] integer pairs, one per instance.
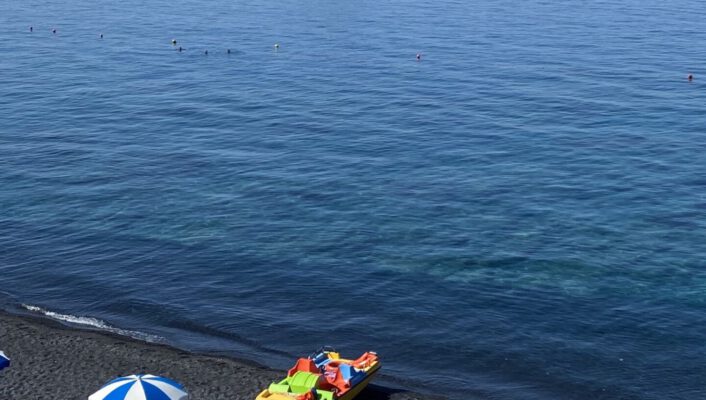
{"points": [[180, 49], [31, 29]]}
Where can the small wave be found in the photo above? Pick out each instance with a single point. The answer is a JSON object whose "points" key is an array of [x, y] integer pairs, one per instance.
{"points": [[94, 323]]}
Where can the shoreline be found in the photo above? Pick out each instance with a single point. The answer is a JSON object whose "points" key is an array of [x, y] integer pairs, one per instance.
{"points": [[53, 360]]}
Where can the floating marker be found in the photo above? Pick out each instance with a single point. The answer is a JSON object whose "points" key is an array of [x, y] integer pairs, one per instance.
{"points": [[419, 56], [53, 31], [276, 45], [101, 36], [173, 42]]}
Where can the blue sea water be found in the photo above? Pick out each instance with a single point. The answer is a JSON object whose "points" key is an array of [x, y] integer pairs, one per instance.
{"points": [[521, 214]]}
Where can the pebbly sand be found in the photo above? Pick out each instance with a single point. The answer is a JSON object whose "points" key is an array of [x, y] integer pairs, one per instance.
{"points": [[53, 361]]}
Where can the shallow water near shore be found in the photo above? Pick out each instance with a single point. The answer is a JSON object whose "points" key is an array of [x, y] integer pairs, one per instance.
{"points": [[521, 214]]}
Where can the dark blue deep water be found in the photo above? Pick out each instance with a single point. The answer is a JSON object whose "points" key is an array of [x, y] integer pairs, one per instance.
{"points": [[521, 214]]}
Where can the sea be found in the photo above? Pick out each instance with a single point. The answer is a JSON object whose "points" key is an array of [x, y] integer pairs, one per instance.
{"points": [[505, 200]]}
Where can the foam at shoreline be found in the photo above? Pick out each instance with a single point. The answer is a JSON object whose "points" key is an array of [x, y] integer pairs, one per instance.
{"points": [[93, 323]]}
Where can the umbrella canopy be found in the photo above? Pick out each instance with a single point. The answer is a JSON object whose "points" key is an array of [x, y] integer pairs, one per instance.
{"points": [[4, 360], [140, 387]]}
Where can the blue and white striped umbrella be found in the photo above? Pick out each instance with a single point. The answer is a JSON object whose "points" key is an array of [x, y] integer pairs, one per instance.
{"points": [[140, 387], [4, 360]]}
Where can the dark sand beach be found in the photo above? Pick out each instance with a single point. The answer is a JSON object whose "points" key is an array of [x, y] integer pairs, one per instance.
{"points": [[53, 361]]}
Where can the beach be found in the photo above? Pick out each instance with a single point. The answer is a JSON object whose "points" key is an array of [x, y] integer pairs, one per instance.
{"points": [[504, 202], [54, 361]]}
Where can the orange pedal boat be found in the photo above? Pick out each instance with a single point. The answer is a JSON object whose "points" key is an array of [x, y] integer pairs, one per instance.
{"points": [[324, 375]]}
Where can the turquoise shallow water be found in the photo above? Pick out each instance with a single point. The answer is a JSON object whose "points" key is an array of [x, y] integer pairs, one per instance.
{"points": [[519, 215]]}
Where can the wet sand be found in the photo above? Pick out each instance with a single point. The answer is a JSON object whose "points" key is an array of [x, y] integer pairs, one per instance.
{"points": [[53, 361]]}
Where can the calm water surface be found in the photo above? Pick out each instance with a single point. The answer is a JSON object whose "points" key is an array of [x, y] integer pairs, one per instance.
{"points": [[519, 215]]}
